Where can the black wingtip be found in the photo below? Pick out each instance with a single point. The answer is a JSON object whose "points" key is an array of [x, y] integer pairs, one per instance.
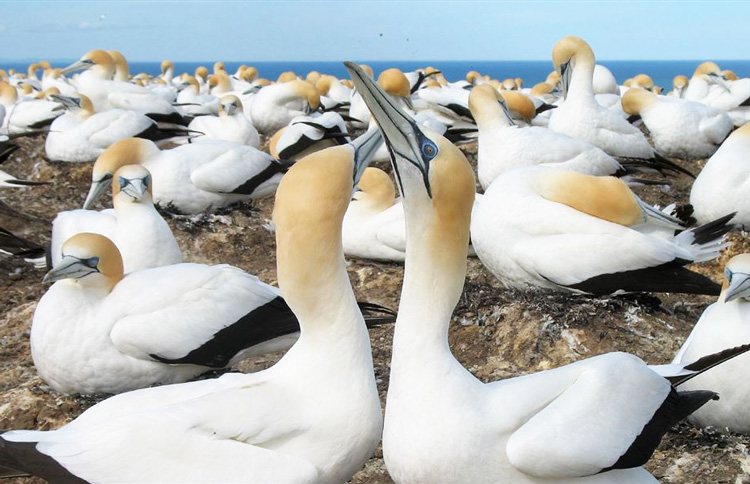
{"points": [[713, 230], [375, 314], [22, 459], [707, 362]]}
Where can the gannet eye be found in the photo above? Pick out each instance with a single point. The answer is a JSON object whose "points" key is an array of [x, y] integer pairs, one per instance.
{"points": [[728, 273], [147, 180], [429, 149], [92, 262]]}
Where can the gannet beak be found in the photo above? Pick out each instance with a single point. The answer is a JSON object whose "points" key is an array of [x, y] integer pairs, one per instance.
{"points": [[77, 66], [364, 148], [72, 268], [719, 80], [406, 142], [506, 112], [565, 73], [135, 188], [97, 188], [67, 101], [739, 286], [230, 108]]}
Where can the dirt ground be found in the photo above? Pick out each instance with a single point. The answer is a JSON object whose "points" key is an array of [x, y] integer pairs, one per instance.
{"points": [[496, 333]]}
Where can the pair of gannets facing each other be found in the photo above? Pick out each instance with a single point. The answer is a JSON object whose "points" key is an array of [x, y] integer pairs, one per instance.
{"points": [[708, 86], [307, 134], [566, 231], [143, 238], [725, 322], [274, 106], [581, 116], [314, 417], [81, 135], [230, 125], [96, 83], [679, 128], [192, 178], [597, 420], [722, 185], [503, 145]]}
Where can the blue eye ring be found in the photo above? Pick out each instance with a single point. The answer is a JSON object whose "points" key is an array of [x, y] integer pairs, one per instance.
{"points": [[91, 262], [429, 149], [147, 180]]}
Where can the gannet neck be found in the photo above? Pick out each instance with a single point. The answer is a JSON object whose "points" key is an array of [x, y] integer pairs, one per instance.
{"points": [[310, 204], [484, 104]]}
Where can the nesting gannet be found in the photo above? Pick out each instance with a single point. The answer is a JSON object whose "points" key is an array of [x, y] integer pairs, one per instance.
{"points": [[307, 134], [723, 183], [503, 145], [597, 420], [96, 83], [275, 106], [679, 83], [580, 116], [192, 102], [679, 128], [313, 417], [709, 87], [604, 81], [192, 178], [81, 135], [561, 230], [142, 236], [331, 87], [230, 125], [25, 116]]}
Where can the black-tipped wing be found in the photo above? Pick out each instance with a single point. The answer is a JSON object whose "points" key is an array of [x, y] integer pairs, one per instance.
{"points": [[19, 459]]}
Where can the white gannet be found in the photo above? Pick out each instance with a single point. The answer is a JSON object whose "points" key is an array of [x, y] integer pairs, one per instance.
{"points": [[192, 102], [580, 116], [274, 106], [122, 70], [25, 116], [679, 83], [724, 324], [141, 235], [230, 125], [192, 178], [604, 81], [96, 83], [566, 231], [503, 145], [597, 420], [81, 135], [679, 128], [54, 78], [331, 87], [709, 87], [723, 183], [314, 417], [308, 134]]}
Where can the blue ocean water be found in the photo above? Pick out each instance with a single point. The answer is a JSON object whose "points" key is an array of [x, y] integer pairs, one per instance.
{"points": [[532, 72]]}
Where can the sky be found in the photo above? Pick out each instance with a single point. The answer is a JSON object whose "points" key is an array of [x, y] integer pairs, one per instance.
{"points": [[371, 30]]}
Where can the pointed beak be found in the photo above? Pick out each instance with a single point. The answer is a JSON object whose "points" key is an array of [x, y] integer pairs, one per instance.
{"points": [[401, 134], [565, 72], [77, 66], [364, 148], [68, 268], [97, 188], [230, 108], [66, 101], [739, 287], [510, 119], [135, 189]]}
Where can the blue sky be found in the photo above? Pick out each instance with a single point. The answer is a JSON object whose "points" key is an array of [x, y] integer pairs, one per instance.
{"points": [[372, 30]]}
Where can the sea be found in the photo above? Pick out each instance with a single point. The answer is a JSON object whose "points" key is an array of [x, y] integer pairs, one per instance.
{"points": [[532, 72]]}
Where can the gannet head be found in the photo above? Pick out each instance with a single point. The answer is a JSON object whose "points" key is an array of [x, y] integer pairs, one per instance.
{"points": [[8, 94], [45, 64], [98, 60], [375, 189], [313, 76], [542, 89], [90, 260], [729, 75], [219, 67], [569, 52], [680, 82], [707, 68], [394, 82], [553, 78], [307, 91], [229, 105], [188, 80], [201, 72], [48, 93], [130, 151], [122, 70], [643, 81], [31, 70], [249, 74], [636, 100], [736, 279], [486, 104], [76, 103], [131, 184], [473, 77], [519, 82], [323, 84], [219, 83], [165, 65], [287, 76], [509, 84], [519, 103]]}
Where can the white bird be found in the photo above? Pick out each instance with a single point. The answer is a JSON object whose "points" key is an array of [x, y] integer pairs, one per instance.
{"points": [[192, 102], [566, 231], [192, 178], [230, 125], [25, 116], [314, 417], [723, 183], [503, 146], [597, 420], [274, 106], [580, 116], [308, 134], [141, 235], [679, 83], [679, 128], [724, 324], [604, 81], [81, 135], [357, 107], [709, 87]]}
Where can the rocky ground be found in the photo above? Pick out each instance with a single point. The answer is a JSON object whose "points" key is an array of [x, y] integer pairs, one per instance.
{"points": [[496, 333]]}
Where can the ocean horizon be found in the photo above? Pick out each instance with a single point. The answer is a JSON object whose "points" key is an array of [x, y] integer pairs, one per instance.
{"points": [[532, 72]]}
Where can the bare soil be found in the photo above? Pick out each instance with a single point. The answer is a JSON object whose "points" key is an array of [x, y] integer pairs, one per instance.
{"points": [[496, 333]]}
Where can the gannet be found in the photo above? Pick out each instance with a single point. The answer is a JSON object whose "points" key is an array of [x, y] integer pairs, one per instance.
{"points": [[723, 183], [192, 102], [709, 87], [192, 178], [503, 145], [604, 81], [679, 128], [275, 106], [357, 108], [331, 87], [141, 235], [314, 417], [122, 70], [580, 116], [566, 231], [54, 78], [96, 83], [597, 420], [230, 125], [724, 323], [307, 134], [81, 135], [25, 116]]}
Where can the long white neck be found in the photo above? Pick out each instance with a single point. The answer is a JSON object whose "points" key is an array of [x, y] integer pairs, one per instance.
{"points": [[582, 80]]}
